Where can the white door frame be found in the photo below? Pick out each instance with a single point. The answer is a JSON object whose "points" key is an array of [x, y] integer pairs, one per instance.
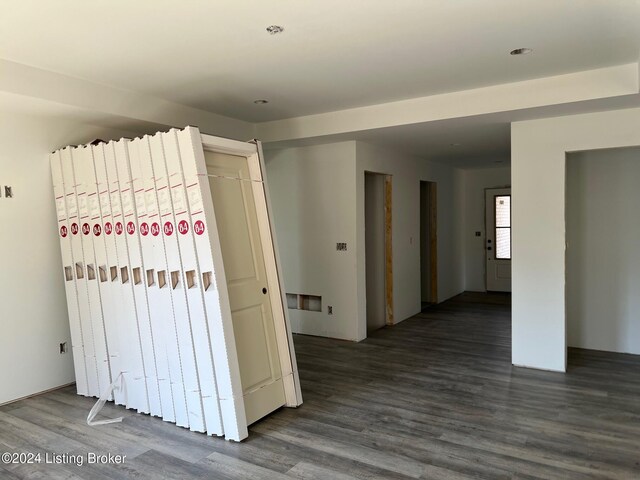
{"points": [[252, 151]]}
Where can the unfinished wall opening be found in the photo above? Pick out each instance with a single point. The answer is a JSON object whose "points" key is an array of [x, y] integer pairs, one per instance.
{"points": [[602, 257], [428, 244], [378, 252], [299, 301]]}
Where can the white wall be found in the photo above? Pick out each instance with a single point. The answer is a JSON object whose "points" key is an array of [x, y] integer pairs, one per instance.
{"points": [[603, 257], [407, 172], [33, 310], [314, 207], [538, 150], [318, 199], [475, 182]]}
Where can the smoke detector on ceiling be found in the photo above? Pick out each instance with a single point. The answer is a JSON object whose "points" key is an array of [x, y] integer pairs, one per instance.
{"points": [[275, 29]]}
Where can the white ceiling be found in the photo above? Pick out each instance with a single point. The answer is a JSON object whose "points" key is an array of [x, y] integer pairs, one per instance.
{"points": [[215, 55], [333, 54], [471, 142], [478, 141]]}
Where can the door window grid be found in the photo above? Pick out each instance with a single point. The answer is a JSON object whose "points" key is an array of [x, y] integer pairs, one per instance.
{"points": [[502, 211]]}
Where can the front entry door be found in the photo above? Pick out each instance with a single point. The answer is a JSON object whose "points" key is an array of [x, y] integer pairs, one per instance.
{"points": [[498, 239], [243, 258]]}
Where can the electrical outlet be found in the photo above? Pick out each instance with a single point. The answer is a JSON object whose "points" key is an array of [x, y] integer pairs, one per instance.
{"points": [[329, 310], [63, 348]]}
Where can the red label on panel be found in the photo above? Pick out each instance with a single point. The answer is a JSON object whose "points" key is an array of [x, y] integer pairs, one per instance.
{"points": [[183, 227], [155, 229], [198, 227], [86, 229], [119, 228], [63, 231], [108, 228], [97, 229], [144, 229], [131, 228], [74, 228], [168, 229]]}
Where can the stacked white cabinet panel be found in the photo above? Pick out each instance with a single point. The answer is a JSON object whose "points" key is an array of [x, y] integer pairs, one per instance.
{"points": [[107, 263], [73, 193], [181, 308], [88, 211], [160, 399], [150, 300], [68, 274], [98, 270], [130, 245], [161, 296], [191, 285], [130, 348]]}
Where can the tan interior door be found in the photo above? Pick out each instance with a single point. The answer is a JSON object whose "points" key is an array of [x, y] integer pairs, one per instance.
{"points": [[243, 258]]}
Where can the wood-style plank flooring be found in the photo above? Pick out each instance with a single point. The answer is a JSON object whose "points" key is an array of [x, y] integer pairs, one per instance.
{"points": [[433, 397]]}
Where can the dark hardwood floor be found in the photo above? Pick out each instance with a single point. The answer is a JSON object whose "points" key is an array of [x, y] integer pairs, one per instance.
{"points": [[433, 397]]}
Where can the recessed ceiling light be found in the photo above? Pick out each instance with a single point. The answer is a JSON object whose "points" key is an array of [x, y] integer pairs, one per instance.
{"points": [[521, 51], [275, 29], [260, 102]]}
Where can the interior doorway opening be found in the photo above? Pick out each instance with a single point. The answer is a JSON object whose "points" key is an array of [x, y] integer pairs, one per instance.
{"points": [[378, 250], [428, 243], [602, 265]]}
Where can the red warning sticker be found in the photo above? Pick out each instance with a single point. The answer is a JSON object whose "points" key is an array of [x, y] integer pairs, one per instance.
{"points": [[119, 228], [63, 231], [198, 227], [168, 229], [108, 228], [183, 227], [131, 228], [97, 229], [86, 229], [74, 228], [155, 229], [144, 229]]}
